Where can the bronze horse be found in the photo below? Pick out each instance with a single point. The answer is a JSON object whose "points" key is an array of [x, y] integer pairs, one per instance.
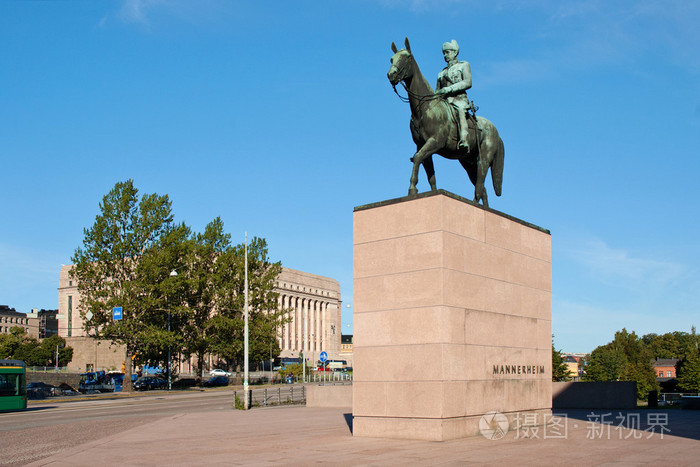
{"points": [[434, 130]]}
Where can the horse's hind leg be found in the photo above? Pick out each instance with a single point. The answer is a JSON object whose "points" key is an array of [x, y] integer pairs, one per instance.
{"points": [[470, 167], [430, 172], [479, 188]]}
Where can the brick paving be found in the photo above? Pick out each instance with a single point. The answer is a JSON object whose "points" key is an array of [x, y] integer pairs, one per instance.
{"points": [[323, 436]]}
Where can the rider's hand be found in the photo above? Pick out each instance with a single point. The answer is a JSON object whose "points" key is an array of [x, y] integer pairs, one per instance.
{"points": [[440, 92]]}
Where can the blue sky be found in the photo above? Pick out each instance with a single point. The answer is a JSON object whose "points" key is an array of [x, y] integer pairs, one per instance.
{"points": [[278, 117]]}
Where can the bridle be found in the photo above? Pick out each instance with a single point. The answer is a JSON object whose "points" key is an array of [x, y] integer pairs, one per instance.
{"points": [[421, 99]]}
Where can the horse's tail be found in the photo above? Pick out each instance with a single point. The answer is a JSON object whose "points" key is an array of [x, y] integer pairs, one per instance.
{"points": [[497, 167]]}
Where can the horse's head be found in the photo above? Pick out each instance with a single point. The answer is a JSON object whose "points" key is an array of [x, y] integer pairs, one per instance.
{"points": [[400, 69]]}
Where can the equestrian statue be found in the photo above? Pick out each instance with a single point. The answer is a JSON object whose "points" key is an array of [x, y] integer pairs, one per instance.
{"points": [[444, 122]]}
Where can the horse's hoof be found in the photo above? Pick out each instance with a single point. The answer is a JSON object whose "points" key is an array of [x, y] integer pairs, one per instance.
{"points": [[412, 191]]}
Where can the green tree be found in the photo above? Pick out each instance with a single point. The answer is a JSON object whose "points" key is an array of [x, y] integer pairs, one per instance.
{"points": [[109, 273], [626, 358], [689, 343], [296, 370], [663, 346], [11, 342], [19, 345], [48, 351], [688, 370], [560, 370], [605, 363], [163, 330], [264, 315], [201, 289]]}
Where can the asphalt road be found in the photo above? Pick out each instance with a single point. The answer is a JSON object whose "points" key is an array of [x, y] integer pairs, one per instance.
{"points": [[52, 426]]}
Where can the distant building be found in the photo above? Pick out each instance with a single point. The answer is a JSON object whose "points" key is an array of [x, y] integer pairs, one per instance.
{"points": [[314, 303], [346, 343], [43, 322], [9, 318], [664, 367], [572, 362], [346, 348]]}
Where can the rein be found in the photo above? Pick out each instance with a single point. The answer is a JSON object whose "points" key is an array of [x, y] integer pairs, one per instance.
{"points": [[421, 99]]}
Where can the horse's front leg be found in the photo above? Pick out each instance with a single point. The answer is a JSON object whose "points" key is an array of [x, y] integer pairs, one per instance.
{"points": [[430, 171], [427, 150]]}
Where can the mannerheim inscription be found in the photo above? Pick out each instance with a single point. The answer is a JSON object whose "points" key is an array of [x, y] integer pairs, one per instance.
{"points": [[518, 369]]}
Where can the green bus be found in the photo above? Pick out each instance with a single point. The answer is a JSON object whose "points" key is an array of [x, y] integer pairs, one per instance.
{"points": [[13, 385]]}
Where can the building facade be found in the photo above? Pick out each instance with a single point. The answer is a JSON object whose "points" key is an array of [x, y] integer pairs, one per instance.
{"points": [[313, 303], [44, 322], [346, 349], [664, 367], [10, 318]]}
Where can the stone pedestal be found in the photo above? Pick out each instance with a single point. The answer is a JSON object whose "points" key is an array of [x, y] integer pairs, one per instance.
{"points": [[452, 318]]}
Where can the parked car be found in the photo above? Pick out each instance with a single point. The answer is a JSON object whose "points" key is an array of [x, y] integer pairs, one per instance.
{"points": [[39, 390], [216, 381], [184, 383], [150, 382], [218, 372]]}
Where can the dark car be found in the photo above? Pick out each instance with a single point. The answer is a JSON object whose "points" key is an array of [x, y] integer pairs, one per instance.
{"points": [[216, 381], [39, 390], [150, 382], [184, 383]]}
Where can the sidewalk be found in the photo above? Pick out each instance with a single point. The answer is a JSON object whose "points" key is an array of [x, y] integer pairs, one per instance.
{"points": [[303, 436]]}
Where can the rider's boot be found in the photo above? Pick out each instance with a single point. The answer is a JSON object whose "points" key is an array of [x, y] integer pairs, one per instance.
{"points": [[463, 131]]}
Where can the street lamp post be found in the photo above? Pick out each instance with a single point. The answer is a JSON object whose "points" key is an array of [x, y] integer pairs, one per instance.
{"points": [[245, 330], [173, 273]]}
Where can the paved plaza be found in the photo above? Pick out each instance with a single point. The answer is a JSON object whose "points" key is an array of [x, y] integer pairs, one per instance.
{"points": [[323, 436]]}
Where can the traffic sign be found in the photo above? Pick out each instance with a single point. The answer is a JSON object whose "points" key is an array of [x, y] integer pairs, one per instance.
{"points": [[324, 356], [117, 313]]}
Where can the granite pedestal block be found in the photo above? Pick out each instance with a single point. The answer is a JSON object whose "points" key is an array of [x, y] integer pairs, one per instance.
{"points": [[452, 318]]}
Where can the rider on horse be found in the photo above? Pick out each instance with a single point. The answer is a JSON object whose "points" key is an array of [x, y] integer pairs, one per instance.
{"points": [[453, 81]]}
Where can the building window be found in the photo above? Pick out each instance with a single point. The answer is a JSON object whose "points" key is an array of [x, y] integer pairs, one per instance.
{"points": [[661, 374], [70, 315], [668, 373]]}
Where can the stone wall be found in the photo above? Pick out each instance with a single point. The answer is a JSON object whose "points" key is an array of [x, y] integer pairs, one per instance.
{"points": [[329, 395], [594, 395], [54, 379], [102, 355]]}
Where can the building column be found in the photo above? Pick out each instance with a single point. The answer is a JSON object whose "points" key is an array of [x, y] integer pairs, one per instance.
{"points": [[295, 324]]}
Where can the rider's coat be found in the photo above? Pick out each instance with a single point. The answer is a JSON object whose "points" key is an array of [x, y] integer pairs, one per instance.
{"points": [[457, 78]]}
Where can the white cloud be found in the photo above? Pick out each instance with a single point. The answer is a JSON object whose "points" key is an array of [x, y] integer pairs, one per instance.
{"points": [[620, 267], [604, 289], [581, 327], [136, 11], [517, 71]]}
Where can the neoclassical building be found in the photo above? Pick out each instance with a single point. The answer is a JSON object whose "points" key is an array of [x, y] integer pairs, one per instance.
{"points": [[313, 302]]}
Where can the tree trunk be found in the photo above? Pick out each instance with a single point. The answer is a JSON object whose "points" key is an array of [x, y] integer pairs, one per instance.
{"points": [[238, 380], [200, 367], [126, 385]]}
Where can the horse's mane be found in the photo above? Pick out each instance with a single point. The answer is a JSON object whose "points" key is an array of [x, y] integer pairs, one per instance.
{"points": [[419, 74]]}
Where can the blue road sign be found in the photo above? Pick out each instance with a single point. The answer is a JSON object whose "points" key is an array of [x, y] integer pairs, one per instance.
{"points": [[117, 313], [323, 356]]}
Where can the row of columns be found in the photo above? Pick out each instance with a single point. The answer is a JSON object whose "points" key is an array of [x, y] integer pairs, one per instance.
{"points": [[307, 329]]}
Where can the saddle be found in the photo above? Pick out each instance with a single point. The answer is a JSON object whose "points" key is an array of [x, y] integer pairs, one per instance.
{"points": [[473, 127]]}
